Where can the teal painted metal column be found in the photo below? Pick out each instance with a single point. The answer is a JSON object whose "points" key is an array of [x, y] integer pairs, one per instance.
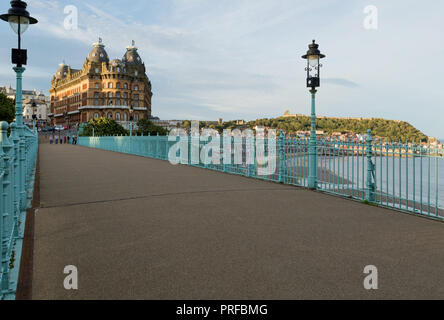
{"points": [[370, 185], [281, 156], [18, 99], [21, 132], [312, 152]]}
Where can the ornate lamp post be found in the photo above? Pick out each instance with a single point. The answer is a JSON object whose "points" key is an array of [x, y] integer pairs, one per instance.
{"points": [[131, 110], [34, 116], [313, 68], [19, 20]]}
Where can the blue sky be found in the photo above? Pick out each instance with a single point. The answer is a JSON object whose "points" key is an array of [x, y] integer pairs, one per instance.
{"points": [[242, 59]]}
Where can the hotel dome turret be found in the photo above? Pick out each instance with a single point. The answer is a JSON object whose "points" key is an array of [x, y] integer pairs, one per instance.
{"points": [[131, 56], [98, 53]]}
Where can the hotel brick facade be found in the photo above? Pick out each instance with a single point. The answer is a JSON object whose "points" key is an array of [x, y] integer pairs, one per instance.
{"points": [[102, 88]]}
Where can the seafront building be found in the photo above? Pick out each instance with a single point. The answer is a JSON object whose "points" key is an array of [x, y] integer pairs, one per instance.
{"points": [[101, 88]]}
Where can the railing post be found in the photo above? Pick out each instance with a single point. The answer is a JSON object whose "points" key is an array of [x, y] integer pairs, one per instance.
{"points": [[16, 142], [2, 253], [22, 170], [157, 156], [370, 185], [7, 207], [166, 148], [251, 155], [281, 156], [226, 151]]}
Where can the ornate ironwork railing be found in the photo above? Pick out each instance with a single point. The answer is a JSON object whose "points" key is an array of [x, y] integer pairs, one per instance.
{"points": [[18, 152], [403, 176]]}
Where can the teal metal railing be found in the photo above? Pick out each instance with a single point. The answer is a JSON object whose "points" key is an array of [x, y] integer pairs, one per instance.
{"points": [[18, 153], [403, 176]]}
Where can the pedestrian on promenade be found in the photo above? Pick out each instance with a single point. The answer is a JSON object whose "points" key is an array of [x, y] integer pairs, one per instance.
{"points": [[51, 138], [68, 138], [57, 139], [64, 139]]}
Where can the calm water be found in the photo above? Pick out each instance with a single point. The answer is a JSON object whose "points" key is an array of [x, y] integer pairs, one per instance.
{"points": [[411, 178]]}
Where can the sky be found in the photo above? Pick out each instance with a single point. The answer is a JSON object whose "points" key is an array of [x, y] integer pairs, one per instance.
{"points": [[241, 59]]}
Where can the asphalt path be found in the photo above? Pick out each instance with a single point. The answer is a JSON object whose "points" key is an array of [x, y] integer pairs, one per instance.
{"points": [[139, 228]]}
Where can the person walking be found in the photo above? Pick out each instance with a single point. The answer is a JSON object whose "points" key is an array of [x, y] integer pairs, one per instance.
{"points": [[56, 139], [51, 138], [64, 139], [68, 138]]}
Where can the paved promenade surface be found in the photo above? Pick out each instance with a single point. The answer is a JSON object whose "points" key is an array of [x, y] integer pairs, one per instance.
{"points": [[139, 228]]}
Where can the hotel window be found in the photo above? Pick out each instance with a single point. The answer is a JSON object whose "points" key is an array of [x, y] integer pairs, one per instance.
{"points": [[118, 85], [136, 117], [97, 70], [118, 69], [117, 116], [136, 101], [110, 102], [97, 86], [96, 115], [136, 73], [136, 88], [110, 85], [110, 94], [125, 86], [110, 115], [117, 102], [117, 94], [125, 95], [125, 116]]}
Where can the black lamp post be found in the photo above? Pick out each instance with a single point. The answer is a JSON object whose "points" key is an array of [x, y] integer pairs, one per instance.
{"points": [[34, 116], [313, 68], [131, 110], [19, 20]]}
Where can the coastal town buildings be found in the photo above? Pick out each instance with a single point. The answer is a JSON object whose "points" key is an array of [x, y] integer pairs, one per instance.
{"points": [[42, 104]]}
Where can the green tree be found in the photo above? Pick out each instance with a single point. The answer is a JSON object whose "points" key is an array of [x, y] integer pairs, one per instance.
{"points": [[7, 108], [147, 127], [103, 127]]}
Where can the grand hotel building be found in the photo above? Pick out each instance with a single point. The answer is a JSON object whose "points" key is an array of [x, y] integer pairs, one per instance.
{"points": [[102, 88]]}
